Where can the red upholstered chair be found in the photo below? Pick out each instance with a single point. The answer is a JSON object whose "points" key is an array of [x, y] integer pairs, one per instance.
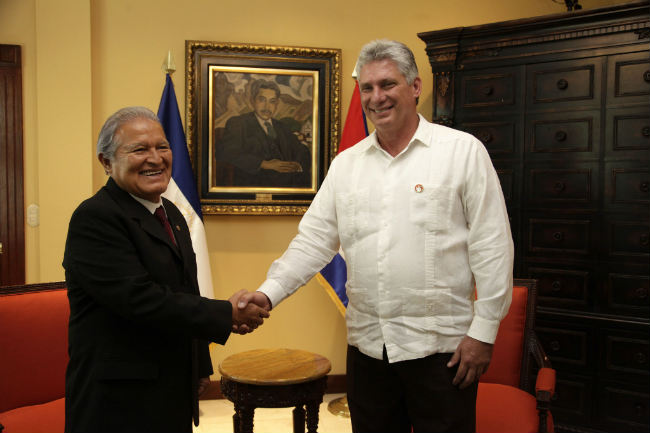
{"points": [[34, 345], [507, 399]]}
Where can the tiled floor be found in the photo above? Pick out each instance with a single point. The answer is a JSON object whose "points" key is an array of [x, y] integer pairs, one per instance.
{"points": [[216, 417]]}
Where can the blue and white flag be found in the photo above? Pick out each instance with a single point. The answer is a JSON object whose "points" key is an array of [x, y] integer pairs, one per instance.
{"points": [[334, 276], [182, 188]]}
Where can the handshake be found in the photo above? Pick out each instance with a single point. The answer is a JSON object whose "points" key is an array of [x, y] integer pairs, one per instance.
{"points": [[249, 309]]}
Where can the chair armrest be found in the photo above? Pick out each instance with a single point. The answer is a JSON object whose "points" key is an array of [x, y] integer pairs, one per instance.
{"points": [[536, 349], [545, 383]]}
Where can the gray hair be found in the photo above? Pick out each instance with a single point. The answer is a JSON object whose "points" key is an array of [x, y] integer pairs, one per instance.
{"points": [[399, 53], [106, 143]]}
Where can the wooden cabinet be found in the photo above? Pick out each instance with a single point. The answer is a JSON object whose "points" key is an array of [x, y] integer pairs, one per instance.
{"points": [[562, 104]]}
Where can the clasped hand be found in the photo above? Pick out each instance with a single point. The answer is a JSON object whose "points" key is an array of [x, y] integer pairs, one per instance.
{"points": [[247, 313]]}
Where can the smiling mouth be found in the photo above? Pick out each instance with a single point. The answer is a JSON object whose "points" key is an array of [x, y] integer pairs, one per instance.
{"points": [[381, 110], [151, 172]]}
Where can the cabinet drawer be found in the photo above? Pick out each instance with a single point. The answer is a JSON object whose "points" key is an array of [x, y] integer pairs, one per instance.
{"points": [[507, 181], [562, 288], [629, 78], [510, 179], [621, 409], [572, 401], [559, 236], [489, 89], [564, 84], [553, 135], [628, 293], [628, 132], [573, 188], [627, 185], [565, 346], [498, 137], [626, 355], [628, 239]]}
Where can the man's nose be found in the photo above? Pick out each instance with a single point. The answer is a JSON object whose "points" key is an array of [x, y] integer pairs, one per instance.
{"points": [[377, 94], [154, 156]]}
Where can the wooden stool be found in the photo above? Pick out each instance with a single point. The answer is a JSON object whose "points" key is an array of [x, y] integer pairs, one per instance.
{"points": [[275, 378]]}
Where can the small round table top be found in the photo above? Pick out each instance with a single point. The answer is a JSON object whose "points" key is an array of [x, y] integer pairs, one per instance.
{"points": [[274, 367]]}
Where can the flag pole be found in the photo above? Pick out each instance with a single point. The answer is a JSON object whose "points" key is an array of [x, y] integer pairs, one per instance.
{"points": [[168, 65]]}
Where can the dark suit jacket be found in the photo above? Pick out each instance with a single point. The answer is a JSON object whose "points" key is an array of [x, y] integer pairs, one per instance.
{"points": [[245, 145], [138, 330]]}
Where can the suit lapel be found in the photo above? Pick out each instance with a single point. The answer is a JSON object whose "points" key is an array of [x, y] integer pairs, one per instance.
{"points": [[136, 211], [183, 239]]}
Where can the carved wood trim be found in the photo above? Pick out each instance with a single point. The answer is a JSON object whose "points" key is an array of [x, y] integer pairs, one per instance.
{"points": [[336, 384]]}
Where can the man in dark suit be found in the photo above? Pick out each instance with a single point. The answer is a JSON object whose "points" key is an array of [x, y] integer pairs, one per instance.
{"points": [[139, 331], [263, 150]]}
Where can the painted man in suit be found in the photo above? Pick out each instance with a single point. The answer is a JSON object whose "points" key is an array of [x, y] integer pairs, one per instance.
{"points": [[139, 331], [263, 150]]}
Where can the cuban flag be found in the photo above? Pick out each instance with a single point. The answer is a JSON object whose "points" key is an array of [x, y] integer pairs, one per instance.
{"points": [[182, 188], [334, 276]]}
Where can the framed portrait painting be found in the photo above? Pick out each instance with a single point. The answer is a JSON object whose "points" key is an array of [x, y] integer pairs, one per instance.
{"points": [[262, 124]]}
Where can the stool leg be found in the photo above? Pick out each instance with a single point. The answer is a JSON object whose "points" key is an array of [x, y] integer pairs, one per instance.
{"points": [[299, 420], [312, 416], [246, 422], [236, 420]]}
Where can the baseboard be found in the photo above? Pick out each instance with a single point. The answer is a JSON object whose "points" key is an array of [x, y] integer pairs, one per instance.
{"points": [[335, 385]]}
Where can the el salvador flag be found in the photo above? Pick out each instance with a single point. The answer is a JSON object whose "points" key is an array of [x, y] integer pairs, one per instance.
{"points": [[182, 188], [334, 276]]}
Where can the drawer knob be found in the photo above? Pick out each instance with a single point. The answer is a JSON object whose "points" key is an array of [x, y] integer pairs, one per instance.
{"points": [[644, 187], [488, 90], [560, 136], [555, 346], [645, 131], [558, 236], [640, 409], [643, 239], [646, 76], [485, 137], [641, 358], [562, 84], [641, 293], [556, 286], [559, 186]]}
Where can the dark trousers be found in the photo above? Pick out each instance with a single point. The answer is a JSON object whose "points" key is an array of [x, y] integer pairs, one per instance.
{"points": [[416, 394]]}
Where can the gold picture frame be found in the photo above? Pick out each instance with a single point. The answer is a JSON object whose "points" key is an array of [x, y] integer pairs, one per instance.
{"points": [[263, 124]]}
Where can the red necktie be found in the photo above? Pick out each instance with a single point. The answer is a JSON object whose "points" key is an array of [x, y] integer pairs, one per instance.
{"points": [[162, 217]]}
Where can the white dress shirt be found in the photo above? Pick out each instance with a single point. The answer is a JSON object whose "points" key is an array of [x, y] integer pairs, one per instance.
{"points": [[151, 206], [418, 232]]}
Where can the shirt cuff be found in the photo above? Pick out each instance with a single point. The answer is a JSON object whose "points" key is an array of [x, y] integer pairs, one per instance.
{"points": [[483, 329], [274, 291]]}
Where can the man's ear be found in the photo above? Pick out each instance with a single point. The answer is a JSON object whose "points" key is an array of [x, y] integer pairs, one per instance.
{"points": [[106, 163], [417, 87]]}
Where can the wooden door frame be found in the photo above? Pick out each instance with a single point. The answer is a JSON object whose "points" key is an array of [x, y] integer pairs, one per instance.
{"points": [[12, 218]]}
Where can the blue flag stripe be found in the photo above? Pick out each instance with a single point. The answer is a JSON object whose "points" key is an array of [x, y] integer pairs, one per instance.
{"points": [[336, 274], [170, 119]]}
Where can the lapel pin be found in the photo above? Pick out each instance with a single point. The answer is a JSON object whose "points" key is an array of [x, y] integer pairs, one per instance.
{"points": [[419, 187], [178, 228]]}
